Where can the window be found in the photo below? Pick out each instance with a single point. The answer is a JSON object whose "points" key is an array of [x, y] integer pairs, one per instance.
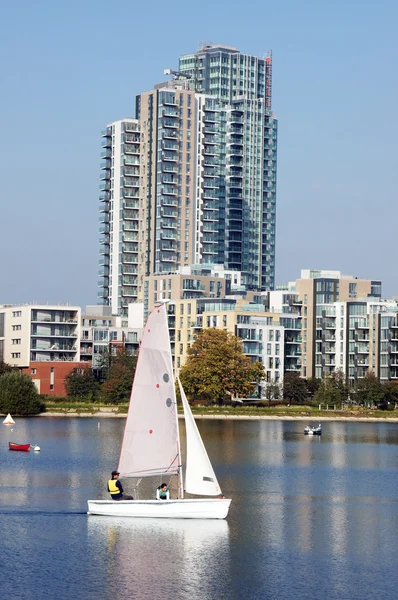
{"points": [[352, 292], [17, 313], [51, 386], [271, 335], [181, 348], [16, 327], [16, 341], [15, 355]]}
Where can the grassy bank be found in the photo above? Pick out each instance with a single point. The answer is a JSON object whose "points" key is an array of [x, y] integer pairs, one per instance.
{"points": [[81, 408]]}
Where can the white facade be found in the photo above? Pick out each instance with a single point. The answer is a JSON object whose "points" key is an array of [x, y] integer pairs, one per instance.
{"points": [[119, 198], [42, 333]]}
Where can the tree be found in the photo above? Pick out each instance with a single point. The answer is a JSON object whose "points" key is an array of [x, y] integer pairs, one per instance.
{"points": [[117, 386], [18, 394], [4, 367], [272, 391], [313, 384], [390, 391], [294, 388], [333, 389], [369, 390], [81, 383], [217, 370]]}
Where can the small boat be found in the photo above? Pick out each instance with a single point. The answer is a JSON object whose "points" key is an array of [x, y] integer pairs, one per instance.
{"points": [[19, 447], [151, 441], [8, 420], [313, 430]]}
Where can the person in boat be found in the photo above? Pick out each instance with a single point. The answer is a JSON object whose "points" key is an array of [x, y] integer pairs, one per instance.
{"points": [[162, 492], [115, 488]]}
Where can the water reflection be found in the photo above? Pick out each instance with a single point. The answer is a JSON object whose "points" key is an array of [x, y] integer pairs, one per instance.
{"points": [[142, 555]]}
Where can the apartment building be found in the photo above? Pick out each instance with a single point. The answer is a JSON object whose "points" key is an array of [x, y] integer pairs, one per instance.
{"points": [[197, 171], [41, 340], [102, 332], [119, 215], [240, 86]]}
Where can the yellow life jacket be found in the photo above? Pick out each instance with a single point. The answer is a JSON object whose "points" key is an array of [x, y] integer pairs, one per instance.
{"points": [[113, 489]]}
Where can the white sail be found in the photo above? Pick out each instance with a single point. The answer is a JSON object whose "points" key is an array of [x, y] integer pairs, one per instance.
{"points": [[151, 440], [8, 420], [200, 478]]}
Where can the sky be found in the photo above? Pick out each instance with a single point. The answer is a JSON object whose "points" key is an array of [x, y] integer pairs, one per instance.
{"points": [[68, 69]]}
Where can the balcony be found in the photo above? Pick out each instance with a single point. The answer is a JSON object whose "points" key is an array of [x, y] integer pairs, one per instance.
{"points": [[169, 123], [131, 149]]}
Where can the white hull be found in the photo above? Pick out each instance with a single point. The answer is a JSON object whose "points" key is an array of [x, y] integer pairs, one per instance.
{"points": [[207, 508]]}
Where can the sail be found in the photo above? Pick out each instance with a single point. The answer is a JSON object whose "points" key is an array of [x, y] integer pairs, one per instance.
{"points": [[151, 440], [199, 475], [8, 420]]}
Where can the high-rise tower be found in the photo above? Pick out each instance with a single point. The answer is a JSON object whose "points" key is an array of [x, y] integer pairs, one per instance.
{"points": [[247, 147], [119, 197], [197, 172]]}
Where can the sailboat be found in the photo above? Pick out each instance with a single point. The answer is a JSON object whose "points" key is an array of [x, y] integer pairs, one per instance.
{"points": [[8, 420], [151, 441]]}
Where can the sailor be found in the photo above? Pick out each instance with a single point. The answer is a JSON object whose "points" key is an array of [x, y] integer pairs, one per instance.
{"points": [[115, 488], [162, 492]]}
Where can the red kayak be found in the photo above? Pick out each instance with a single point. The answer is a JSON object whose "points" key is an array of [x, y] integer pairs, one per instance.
{"points": [[20, 447]]}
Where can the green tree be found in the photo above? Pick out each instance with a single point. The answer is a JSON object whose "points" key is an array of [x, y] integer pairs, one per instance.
{"points": [[18, 394], [294, 388], [217, 370], [390, 390], [333, 389], [313, 384], [117, 385], [369, 391], [4, 367], [81, 383]]}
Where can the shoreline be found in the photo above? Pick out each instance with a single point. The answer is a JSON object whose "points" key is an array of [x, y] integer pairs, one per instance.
{"points": [[113, 415]]}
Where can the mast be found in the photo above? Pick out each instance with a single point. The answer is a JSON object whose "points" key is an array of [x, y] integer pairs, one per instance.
{"points": [[180, 493]]}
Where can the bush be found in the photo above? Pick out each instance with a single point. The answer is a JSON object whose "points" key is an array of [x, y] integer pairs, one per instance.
{"points": [[52, 399], [18, 395]]}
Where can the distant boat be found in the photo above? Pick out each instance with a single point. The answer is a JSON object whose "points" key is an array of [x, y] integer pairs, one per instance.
{"points": [[313, 430], [19, 447], [8, 420]]}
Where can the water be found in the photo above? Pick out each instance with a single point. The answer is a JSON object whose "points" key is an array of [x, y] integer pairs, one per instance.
{"points": [[311, 516]]}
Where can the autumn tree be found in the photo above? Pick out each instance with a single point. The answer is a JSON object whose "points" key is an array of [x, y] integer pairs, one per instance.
{"points": [[217, 370], [117, 385]]}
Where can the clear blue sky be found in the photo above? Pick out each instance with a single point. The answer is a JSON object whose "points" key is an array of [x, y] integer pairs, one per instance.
{"points": [[70, 68]]}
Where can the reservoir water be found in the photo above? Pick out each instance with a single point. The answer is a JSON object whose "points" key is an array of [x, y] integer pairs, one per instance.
{"points": [[310, 517]]}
